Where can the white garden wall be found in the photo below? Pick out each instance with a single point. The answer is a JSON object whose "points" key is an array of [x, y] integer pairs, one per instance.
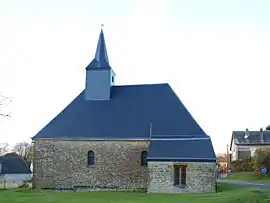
{"points": [[9, 181]]}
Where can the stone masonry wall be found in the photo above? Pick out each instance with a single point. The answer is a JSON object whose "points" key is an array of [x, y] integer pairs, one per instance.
{"points": [[200, 177], [63, 164]]}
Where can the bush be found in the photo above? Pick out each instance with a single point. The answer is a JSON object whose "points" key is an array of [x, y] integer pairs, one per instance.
{"points": [[262, 159], [24, 185], [246, 164]]}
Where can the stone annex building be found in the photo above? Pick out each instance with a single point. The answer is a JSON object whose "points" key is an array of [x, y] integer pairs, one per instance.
{"points": [[123, 137]]}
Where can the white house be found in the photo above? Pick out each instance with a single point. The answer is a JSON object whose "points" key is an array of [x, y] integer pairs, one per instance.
{"points": [[245, 143]]}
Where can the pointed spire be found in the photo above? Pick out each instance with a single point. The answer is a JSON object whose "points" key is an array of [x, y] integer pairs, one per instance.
{"points": [[101, 59], [101, 52]]}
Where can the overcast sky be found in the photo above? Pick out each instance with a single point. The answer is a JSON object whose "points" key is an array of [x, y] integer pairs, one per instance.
{"points": [[215, 55]]}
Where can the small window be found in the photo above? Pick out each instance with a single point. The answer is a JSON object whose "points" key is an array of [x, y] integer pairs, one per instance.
{"points": [[183, 172], [180, 175], [112, 79], [176, 175], [144, 155], [91, 158]]}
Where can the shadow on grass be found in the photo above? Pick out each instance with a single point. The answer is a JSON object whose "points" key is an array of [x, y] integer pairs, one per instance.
{"points": [[226, 187], [23, 190], [221, 187]]}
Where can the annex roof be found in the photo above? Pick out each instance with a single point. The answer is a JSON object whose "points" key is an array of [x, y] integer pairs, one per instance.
{"points": [[196, 149]]}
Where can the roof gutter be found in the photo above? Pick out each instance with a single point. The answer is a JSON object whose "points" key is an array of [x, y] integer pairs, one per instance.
{"points": [[123, 139], [180, 159]]}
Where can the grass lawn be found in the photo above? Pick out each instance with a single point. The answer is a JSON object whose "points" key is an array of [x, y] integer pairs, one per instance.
{"points": [[226, 194], [249, 176]]}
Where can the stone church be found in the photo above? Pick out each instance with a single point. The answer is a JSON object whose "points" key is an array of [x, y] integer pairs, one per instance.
{"points": [[124, 137]]}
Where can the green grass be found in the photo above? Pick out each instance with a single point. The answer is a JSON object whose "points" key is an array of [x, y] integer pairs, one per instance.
{"points": [[226, 194], [249, 176]]}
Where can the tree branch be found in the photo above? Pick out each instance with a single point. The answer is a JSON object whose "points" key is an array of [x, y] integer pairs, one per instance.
{"points": [[6, 115]]}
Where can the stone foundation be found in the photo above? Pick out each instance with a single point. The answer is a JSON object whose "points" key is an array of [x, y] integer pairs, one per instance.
{"points": [[63, 164], [200, 177]]}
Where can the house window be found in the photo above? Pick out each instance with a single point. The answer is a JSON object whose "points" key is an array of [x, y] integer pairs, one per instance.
{"points": [[183, 172], [144, 155], [176, 175], [180, 175], [91, 158], [244, 154]]}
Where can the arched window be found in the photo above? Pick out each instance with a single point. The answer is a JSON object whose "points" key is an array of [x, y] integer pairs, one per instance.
{"points": [[91, 158], [144, 155]]}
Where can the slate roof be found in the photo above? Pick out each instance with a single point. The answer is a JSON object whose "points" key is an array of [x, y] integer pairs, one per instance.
{"points": [[182, 149], [127, 115], [13, 164], [253, 138], [101, 59]]}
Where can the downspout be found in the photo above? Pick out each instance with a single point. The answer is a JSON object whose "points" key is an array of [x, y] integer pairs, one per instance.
{"points": [[261, 136]]}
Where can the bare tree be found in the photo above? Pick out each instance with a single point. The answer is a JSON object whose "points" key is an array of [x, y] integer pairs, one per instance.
{"points": [[3, 148], [3, 103], [4, 113], [20, 148], [29, 154]]}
